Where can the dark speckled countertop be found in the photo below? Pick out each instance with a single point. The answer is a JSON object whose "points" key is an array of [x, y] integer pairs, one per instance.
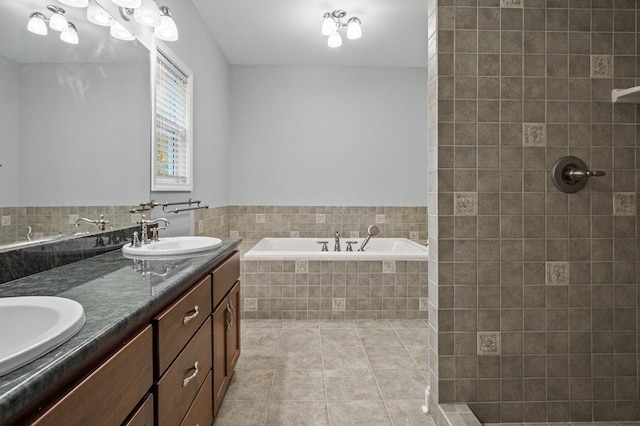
{"points": [[118, 295]]}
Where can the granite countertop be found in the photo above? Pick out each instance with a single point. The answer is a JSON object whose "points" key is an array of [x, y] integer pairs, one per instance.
{"points": [[118, 294]]}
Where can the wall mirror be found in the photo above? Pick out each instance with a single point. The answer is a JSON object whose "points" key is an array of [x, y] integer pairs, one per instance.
{"points": [[76, 119]]}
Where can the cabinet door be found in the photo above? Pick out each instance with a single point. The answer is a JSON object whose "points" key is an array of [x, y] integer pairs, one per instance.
{"points": [[233, 334], [220, 378]]}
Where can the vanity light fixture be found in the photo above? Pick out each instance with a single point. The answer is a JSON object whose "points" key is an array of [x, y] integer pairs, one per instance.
{"points": [[75, 3], [70, 35], [332, 25], [38, 24], [167, 30], [57, 21], [147, 14], [99, 16], [120, 32], [129, 4]]}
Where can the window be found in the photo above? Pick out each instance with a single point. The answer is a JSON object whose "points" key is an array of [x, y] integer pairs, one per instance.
{"points": [[172, 125]]}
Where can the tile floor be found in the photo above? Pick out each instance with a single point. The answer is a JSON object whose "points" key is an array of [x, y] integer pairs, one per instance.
{"points": [[329, 373]]}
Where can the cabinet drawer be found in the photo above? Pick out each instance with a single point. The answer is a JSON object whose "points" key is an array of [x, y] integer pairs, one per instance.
{"points": [[143, 416], [175, 391], [224, 277], [120, 382], [201, 412], [178, 323]]}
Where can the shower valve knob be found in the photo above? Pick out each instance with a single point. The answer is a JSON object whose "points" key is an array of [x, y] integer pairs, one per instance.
{"points": [[570, 174]]}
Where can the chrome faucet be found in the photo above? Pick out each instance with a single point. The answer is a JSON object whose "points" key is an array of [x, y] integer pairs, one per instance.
{"points": [[336, 247], [144, 223], [100, 223]]}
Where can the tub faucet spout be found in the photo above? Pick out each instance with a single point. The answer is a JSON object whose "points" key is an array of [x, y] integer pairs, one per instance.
{"points": [[337, 245]]}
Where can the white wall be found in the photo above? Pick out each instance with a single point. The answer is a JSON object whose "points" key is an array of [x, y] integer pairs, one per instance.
{"points": [[9, 123], [328, 136]]}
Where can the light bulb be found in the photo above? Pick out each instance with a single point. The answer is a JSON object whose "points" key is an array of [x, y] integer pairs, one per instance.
{"points": [[57, 21], [75, 3], [120, 32], [129, 4], [334, 40], [328, 26], [354, 31], [148, 14], [37, 24], [70, 35], [167, 30], [99, 16]]}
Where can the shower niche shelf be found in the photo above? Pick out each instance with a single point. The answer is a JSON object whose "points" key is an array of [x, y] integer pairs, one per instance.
{"points": [[626, 96]]}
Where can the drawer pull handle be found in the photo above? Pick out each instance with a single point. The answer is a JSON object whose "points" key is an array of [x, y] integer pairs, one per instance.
{"points": [[229, 315], [191, 315], [186, 380]]}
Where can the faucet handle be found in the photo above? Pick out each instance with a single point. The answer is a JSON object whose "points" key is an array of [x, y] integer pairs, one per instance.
{"points": [[349, 243], [324, 245]]}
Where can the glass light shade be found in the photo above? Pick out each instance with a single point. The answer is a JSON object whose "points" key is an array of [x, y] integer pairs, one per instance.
{"points": [[58, 22], [99, 16], [70, 35], [37, 25], [120, 32], [148, 14], [75, 3], [130, 4], [334, 40], [167, 30], [354, 31], [328, 26]]}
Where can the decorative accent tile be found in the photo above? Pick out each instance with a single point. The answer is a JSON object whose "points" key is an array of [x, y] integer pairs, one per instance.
{"points": [[354, 234], [624, 204], [6, 220], [466, 204], [601, 66], [511, 3], [424, 304], [414, 235], [557, 273], [234, 234], [260, 218], [534, 134], [339, 304], [379, 218], [250, 304], [294, 234], [302, 266], [489, 343], [388, 266], [320, 218]]}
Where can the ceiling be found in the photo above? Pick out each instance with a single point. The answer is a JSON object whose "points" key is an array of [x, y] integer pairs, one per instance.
{"points": [[287, 32]]}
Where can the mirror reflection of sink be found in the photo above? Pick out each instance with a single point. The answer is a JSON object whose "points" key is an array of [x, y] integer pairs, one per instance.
{"points": [[173, 246], [34, 325]]}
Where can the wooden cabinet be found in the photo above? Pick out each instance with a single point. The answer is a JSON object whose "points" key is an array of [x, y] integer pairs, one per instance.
{"points": [[143, 415], [226, 326]]}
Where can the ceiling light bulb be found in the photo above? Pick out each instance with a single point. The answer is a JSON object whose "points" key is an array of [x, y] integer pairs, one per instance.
{"points": [[75, 3], [354, 31], [148, 14], [328, 26], [129, 4], [70, 35], [334, 40], [37, 24], [167, 30], [57, 22], [99, 16], [120, 32]]}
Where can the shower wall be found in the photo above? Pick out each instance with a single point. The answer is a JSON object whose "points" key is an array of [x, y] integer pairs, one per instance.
{"points": [[533, 292]]}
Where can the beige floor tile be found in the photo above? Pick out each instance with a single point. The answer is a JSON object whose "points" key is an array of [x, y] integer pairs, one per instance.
{"points": [[344, 357], [372, 324], [297, 413], [234, 413], [401, 383], [340, 337], [250, 385], [300, 337], [257, 358], [379, 337], [413, 336], [298, 385], [408, 413], [350, 385], [389, 357], [256, 337], [350, 413], [299, 357]]}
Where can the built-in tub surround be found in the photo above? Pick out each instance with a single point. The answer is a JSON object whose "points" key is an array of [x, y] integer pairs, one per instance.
{"points": [[53, 221], [344, 288]]}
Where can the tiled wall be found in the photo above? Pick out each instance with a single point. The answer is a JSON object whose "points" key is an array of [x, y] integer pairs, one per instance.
{"points": [[534, 301], [334, 289], [51, 221], [212, 222]]}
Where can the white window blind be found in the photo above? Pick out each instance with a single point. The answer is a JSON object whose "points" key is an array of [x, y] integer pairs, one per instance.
{"points": [[172, 150]]}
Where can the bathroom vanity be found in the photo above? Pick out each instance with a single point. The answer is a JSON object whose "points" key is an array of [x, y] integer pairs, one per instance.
{"points": [[159, 345]]}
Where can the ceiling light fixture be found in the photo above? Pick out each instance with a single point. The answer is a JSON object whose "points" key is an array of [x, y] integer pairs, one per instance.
{"points": [[333, 23], [57, 21], [37, 23]]}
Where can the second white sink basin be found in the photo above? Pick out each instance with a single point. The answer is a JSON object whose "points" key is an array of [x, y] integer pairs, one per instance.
{"points": [[173, 246], [32, 326]]}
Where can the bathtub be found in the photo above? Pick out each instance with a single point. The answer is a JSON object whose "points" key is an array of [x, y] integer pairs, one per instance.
{"points": [[310, 249]]}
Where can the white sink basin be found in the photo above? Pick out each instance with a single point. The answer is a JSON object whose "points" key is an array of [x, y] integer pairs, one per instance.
{"points": [[32, 326], [173, 246]]}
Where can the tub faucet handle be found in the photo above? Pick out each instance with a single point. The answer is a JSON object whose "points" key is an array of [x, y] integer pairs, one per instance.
{"points": [[336, 247], [324, 245], [349, 243]]}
